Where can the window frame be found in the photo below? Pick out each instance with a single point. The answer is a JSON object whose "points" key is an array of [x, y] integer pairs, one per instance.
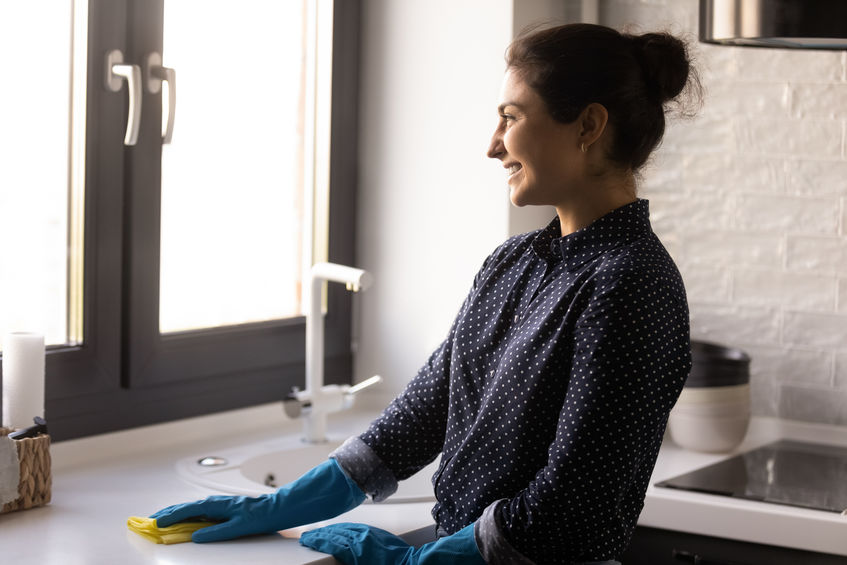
{"points": [[125, 374]]}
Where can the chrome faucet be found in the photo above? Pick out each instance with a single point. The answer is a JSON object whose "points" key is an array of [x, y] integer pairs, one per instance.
{"points": [[318, 400]]}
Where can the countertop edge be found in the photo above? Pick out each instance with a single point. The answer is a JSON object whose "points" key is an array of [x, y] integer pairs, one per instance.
{"points": [[664, 508]]}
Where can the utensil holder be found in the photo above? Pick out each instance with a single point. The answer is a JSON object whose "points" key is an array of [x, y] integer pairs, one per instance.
{"points": [[36, 478]]}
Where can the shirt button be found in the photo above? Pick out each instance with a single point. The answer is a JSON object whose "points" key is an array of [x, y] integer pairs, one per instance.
{"points": [[516, 318]]}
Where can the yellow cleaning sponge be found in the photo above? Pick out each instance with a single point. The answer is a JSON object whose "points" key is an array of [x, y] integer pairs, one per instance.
{"points": [[177, 533]]}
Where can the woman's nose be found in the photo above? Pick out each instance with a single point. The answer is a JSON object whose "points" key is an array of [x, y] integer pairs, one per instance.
{"points": [[495, 148]]}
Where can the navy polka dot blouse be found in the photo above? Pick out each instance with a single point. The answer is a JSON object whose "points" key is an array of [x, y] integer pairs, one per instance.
{"points": [[548, 399]]}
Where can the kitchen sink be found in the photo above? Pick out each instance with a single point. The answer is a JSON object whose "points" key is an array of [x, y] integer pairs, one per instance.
{"points": [[259, 468]]}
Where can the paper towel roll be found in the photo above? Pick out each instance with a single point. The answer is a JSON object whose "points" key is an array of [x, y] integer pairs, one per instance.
{"points": [[23, 379]]}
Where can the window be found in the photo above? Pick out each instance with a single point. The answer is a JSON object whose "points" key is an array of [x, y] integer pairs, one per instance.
{"points": [[181, 296], [34, 159]]}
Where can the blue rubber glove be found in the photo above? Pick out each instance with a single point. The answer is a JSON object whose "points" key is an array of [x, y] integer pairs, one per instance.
{"points": [[359, 544], [322, 493]]}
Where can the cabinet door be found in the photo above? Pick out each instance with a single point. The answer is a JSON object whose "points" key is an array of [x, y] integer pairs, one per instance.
{"points": [[653, 546]]}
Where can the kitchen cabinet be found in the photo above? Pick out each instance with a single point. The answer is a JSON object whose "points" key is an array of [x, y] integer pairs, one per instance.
{"points": [[655, 546]]}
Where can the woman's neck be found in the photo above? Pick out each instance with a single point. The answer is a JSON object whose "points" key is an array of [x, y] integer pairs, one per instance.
{"points": [[594, 201]]}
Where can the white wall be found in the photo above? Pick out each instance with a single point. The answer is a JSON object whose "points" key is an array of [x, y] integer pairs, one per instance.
{"points": [[431, 204], [751, 199]]}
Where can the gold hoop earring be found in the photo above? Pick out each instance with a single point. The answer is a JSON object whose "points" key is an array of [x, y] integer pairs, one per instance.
{"points": [[584, 149]]}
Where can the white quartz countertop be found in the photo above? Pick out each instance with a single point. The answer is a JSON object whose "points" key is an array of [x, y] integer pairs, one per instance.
{"points": [[100, 481]]}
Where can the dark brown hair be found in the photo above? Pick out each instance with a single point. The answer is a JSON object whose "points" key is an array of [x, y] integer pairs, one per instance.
{"points": [[632, 76]]}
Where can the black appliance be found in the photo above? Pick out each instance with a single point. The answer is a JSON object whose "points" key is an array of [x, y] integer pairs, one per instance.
{"points": [[787, 472]]}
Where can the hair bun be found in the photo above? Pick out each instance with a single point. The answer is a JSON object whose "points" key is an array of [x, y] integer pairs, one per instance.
{"points": [[664, 59]]}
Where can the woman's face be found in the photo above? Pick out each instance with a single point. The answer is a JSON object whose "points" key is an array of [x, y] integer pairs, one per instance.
{"points": [[542, 156]]}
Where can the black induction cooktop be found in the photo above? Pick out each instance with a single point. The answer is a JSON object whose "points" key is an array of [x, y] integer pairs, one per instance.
{"points": [[795, 473]]}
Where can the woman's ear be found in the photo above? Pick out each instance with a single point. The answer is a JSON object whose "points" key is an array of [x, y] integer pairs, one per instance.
{"points": [[592, 123]]}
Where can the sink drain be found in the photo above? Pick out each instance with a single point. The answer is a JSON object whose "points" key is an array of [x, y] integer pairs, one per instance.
{"points": [[212, 461]]}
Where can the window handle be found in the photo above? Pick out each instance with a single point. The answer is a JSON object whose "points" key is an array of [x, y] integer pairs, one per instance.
{"points": [[154, 74], [116, 70]]}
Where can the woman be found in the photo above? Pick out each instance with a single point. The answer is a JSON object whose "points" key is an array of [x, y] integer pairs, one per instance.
{"points": [[549, 398]]}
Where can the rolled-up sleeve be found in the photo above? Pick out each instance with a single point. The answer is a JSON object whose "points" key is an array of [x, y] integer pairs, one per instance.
{"points": [[409, 434]]}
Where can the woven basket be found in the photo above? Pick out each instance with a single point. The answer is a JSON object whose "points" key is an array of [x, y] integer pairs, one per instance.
{"points": [[36, 480]]}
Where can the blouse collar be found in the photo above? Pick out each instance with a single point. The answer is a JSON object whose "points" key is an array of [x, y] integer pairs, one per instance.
{"points": [[619, 227]]}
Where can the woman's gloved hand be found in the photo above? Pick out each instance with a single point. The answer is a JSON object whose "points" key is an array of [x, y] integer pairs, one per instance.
{"points": [[324, 492], [359, 544]]}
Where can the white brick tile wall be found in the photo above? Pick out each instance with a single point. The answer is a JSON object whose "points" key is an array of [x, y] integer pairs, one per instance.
{"points": [[786, 65], [807, 138], [708, 134], [674, 246], [672, 14], [824, 405], [715, 64], [732, 324], [817, 178], [843, 226], [843, 138], [766, 287], [814, 330], [818, 254], [729, 99], [751, 199], [660, 175], [787, 214], [841, 369], [729, 247], [708, 210], [764, 396], [729, 172], [820, 100], [708, 283], [788, 365]]}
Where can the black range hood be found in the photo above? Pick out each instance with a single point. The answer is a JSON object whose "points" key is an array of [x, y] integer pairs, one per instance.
{"points": [[796, 24]]}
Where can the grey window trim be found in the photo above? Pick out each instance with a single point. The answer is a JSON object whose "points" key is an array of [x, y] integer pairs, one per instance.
{"points": [[125, 374]]}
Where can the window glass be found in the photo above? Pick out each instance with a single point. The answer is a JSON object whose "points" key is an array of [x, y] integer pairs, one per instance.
{"points": [[35, 103], [233, 202]]}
